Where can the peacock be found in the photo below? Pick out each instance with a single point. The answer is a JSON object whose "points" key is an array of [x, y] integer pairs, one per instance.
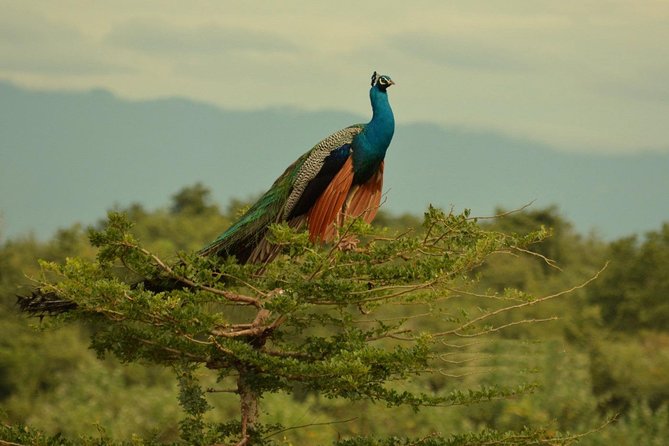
{"points": [[340, 177]]}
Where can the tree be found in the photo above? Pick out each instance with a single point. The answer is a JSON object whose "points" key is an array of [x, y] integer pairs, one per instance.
{"points": [[633, 292], [633, 310], [194, 200], [354, 321]]}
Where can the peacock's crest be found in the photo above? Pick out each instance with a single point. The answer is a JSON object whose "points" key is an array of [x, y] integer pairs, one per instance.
{"points": [[381, 80]]}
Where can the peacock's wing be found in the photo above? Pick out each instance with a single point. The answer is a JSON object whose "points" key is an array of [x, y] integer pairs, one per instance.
{"points": [[324, 162], [289, 199]]}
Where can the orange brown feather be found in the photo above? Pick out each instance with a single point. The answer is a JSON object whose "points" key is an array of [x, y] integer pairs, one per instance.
{"points": [[364, 200], [341, 199], [322, 215]]}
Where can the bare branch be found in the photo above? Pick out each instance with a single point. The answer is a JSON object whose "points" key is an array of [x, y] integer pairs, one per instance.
{"points": [[549, 262], [504, 214], [389, 319], [212, 390], [458, 330], [460, 375], [256, 328], [501, 327], [245, 283], [468, 344], [234, 297], [326, 423], [9, 443], [394, 335], [483, 295], [478, 357], [172, 350]]}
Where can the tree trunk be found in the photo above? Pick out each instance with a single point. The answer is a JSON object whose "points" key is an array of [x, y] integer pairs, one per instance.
{"points": [[249, 407]]}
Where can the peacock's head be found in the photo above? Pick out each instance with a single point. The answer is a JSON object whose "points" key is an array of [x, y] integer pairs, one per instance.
{"points": [[381, 81]]}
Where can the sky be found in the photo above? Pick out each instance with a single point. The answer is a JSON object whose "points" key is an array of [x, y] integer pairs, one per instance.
{"points": [[580, 75]]}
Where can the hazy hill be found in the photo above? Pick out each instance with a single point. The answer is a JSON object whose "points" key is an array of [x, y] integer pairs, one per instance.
{"points": [[69, 156]]}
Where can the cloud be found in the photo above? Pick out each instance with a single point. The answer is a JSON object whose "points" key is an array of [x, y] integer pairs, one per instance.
{"points": [[458, 52], [164, 39], [30, 43], [581, 75], [24, 29], [58, 64]]}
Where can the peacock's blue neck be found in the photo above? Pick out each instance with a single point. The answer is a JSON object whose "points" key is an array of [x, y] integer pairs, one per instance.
{"points": [[371, 144]]}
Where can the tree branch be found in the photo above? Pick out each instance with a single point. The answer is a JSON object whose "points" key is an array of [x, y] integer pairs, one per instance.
{"points": [[458, 331], [234, 297]]}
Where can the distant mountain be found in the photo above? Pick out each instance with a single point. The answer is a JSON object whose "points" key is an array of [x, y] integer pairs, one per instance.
{"points": [[69, 156]]}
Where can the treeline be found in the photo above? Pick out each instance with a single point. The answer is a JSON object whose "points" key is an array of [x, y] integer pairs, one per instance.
{"points": [[601, 363]]}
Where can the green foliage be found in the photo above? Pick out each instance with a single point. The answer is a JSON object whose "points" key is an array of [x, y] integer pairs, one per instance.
{"points": [[633, 293], [555, 263], [640, 426], [642, 380], [344, 342], [193, 200], [312, 317], [25, 435], [483, 438], [548, 219], [194, 403]]}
